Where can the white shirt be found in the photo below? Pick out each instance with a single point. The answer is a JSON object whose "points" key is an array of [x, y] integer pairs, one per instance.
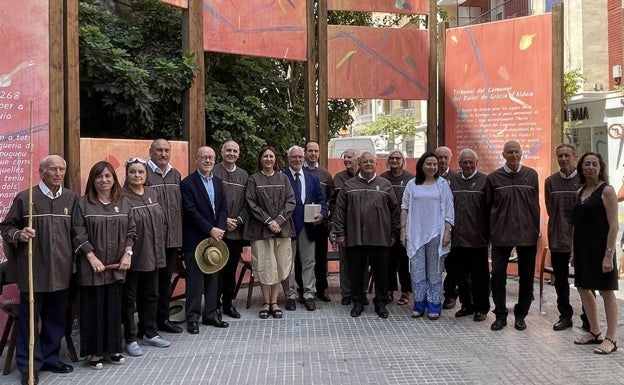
{"points": [[47, 192]]}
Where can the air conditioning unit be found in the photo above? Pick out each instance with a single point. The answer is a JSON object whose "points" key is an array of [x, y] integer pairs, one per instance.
{"points": [[617, 71]]}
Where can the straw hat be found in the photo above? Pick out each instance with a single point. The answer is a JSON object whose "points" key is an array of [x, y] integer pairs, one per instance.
{"points": [[211, 255], [177, 311]]}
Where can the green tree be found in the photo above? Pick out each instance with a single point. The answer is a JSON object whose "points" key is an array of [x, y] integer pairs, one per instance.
{"points": [[393, 128], [133, 72], [572, 83]]}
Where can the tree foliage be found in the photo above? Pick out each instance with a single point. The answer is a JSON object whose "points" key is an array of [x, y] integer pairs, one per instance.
{"points": [[393, 128], [133, 72]]}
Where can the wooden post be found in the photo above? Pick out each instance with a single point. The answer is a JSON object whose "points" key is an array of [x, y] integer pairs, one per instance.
{"points": [[323, 118], [194, 98], [71, 146], [432, 104], [441, 48], [556, 131], [56, 77], [310, 76]]}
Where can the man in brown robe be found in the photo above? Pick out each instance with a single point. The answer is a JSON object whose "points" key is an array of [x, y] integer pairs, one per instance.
{"points": [[52, 265]]}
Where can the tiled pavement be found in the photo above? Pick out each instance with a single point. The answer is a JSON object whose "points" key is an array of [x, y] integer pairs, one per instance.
{"points": [[329, 347]]}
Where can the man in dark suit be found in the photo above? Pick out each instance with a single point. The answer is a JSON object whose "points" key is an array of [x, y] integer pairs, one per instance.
{"points": [[307, 188], [205, 214]]}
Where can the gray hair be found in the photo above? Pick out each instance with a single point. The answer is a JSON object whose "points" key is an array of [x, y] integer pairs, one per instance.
{"points": [[293, 148], [465, 152]]}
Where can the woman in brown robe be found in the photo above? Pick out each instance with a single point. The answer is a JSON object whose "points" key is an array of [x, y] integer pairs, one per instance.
{"points": [[103, 233]]}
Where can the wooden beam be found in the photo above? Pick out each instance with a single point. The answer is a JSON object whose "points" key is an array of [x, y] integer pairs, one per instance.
{"points": [[432, 101], [310, 78], [441, 49], [194, 98], [556, 132], [56, 144], [71, 129], [323, 116]]}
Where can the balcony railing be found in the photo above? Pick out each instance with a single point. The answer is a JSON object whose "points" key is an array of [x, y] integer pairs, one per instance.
{"points": [[508, 10]]}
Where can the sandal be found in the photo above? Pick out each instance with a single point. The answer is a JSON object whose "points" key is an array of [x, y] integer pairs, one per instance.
{"points": [[117, 359], [264, 313], [277, 312], [96, 364], [591, 341], [416, 314], [600, 350], [433, 316], [404, 299]]}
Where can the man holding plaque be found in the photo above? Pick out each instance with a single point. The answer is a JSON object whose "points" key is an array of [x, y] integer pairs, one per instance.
{"points": [[308, 192]]}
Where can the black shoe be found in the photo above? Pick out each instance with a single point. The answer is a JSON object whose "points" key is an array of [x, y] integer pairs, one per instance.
{"points": [[192, 327], [346, 301], [231, 312], [357, 310], [479, 317], [169, 327], [24, 380], [498, 324], [323, 297], [463, 312], [449, 303], [291, 304], [216, 322], [562, 324], [58, 367], [310, 305], [381, 311], [519, 324]]}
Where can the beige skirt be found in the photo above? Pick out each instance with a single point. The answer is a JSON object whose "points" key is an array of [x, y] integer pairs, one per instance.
{"points": [[271, 260]]}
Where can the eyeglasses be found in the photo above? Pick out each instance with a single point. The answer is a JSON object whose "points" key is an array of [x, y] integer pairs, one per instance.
{"points": [[205, 158], [136, 160]]}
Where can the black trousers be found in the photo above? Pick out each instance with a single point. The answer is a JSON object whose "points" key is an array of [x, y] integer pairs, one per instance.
{"points": [[198, 284], [560, 263], [472, 271], [164, 285], [377, 256], [449, 286], [227, 276], [321, 234], [526, 272], [398, 263], [51, 310], [140, 291]]}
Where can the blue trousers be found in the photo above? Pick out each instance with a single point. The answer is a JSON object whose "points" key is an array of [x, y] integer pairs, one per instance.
{"points": [[426, 268], [51, 310]]}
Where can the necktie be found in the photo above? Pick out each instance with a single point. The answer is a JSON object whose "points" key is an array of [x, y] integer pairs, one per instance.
{"points": [[298, 185]]}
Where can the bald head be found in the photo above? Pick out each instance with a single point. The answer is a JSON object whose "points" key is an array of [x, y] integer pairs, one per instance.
{"points": [[512, 152], [52, 170], [160, 153]]}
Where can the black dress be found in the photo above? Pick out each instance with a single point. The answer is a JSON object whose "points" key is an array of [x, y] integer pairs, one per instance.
{"points": [[591, 228]]}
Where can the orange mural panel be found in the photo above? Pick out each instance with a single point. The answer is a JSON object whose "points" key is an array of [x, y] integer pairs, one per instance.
{"points": [[499, 89], [392, 6], [177, 3], [118, 151], [268, 28], [377, 63]]}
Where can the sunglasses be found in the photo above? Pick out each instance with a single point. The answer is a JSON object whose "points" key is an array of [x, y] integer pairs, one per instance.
{"points": [[136, 160]]}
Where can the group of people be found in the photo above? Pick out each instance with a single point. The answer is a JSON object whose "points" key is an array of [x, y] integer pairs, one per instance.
{"points": [[123, 243]]}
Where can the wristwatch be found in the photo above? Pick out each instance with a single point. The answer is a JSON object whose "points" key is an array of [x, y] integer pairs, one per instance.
{"points": [[130, 253]]}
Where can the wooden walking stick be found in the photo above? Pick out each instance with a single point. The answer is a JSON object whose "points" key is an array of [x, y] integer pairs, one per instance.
{"points": [[31, 295]]}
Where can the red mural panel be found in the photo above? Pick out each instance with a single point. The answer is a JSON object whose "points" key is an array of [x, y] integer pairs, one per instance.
{"points": [[378, 63], [500, 89], [268, 28], [177, 3], [392, 6]]}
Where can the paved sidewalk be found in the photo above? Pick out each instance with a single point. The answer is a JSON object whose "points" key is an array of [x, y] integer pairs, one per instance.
{"points": [[327, 346]]}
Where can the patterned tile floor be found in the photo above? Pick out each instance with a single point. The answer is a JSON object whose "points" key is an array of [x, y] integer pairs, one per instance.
{"points": [[329, 347]]}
